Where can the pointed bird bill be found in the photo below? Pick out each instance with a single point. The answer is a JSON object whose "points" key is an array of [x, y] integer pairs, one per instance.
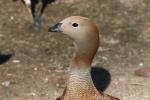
{"points": [[55, 28]]}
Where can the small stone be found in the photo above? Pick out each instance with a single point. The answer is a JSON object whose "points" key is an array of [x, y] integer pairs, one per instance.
{"points": [[46, 79], [6, 83], [35, 68], [58, 85], [11, 17], [144, 72], [122, 79], [146, 96], [100, 49], [141, 64], [104, 58], [32, 94], [16, 61]]}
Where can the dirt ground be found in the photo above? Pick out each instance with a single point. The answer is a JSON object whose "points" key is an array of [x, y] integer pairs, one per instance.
{"points": [[34, 63]]}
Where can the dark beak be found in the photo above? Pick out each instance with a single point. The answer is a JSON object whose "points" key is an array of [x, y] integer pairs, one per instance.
{"points": [[55, 28]]}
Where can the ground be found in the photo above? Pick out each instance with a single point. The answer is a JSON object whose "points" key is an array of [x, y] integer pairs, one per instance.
{"points": [[34, 63]]}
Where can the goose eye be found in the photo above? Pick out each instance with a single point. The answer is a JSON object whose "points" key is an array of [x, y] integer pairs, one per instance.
{"points": [[75, 25]]}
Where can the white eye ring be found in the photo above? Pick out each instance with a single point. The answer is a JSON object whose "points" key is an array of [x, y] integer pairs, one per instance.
{"points": [[75, 25]]}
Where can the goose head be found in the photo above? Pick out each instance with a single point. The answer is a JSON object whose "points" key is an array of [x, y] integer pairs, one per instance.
{"points": [[83, 32]]}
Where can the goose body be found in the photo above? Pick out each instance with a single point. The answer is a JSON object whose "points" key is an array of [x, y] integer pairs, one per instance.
{"points": [[85, 35]]}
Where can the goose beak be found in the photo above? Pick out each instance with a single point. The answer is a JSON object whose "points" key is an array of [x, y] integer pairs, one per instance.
{"points": [[55, 28]]}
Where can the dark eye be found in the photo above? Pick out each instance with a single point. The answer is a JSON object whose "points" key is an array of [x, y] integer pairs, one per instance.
{"points": [[75, 25]]}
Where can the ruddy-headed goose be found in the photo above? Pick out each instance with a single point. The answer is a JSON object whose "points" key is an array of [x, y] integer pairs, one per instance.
{"points": [[85, 35]]}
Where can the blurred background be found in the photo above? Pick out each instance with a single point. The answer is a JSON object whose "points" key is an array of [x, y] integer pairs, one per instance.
{"points": [[34, 63]]}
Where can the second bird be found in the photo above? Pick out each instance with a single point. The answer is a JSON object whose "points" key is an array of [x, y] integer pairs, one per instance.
{"points": [[36, 9]]}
